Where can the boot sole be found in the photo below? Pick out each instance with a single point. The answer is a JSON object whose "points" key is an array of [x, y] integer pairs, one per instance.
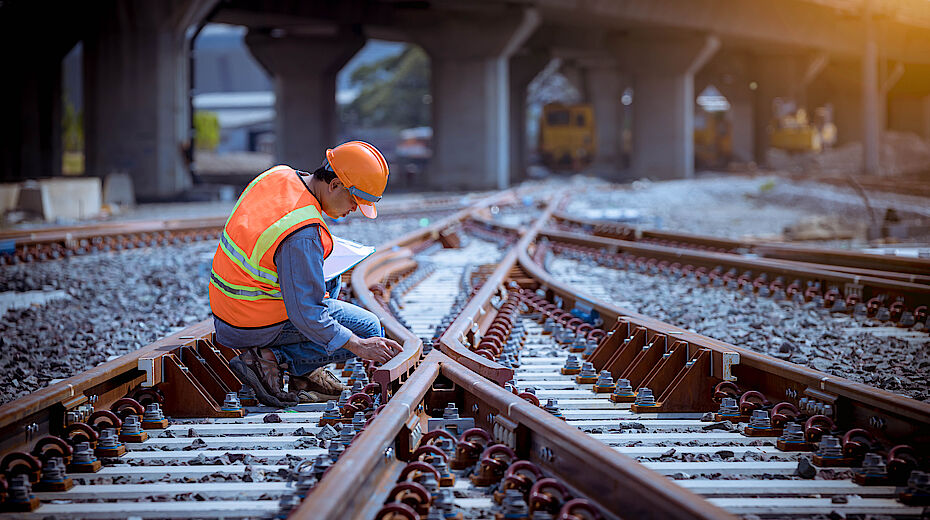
{"points": [[244, 373]]}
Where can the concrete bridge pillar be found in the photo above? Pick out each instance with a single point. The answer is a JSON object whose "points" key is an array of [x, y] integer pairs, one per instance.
{"points": [[663, 102], [304, 69], [604, 89], [472, 95], [136, 92], [523, 68]]}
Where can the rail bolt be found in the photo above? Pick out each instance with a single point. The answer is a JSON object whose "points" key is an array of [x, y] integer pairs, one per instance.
{"points": [[623, 392], [917, 492], [829, 452], [19, 495], [605, 383], [873, 471]]}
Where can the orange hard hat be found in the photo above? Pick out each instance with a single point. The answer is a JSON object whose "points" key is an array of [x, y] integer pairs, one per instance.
{"points": [[363, 171]]}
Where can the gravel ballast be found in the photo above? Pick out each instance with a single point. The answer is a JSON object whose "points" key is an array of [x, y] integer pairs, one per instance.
{"points": [[897, 360], [104, 305]]}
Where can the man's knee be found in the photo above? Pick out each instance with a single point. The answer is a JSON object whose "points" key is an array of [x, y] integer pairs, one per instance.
{"points": [[370, 326]]}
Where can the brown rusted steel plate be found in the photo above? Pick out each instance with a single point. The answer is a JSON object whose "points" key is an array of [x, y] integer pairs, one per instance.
{"points": [[902, 419]]}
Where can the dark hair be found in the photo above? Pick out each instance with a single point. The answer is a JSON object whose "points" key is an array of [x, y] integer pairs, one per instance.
{"points": [[324, 174]]}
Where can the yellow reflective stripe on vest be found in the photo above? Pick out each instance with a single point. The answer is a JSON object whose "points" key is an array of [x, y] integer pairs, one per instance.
{"points": [[250, 186], [238, 256], [270, 235], [241, 292]]}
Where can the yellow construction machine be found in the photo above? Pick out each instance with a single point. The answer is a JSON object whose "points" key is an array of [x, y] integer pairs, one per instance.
{"points": [[792, 131], [567, 136]]}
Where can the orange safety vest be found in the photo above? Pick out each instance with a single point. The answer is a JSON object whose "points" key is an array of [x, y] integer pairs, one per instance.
{"points": [[244, 288]]}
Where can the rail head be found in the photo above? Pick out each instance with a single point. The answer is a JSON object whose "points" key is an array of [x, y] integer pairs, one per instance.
{"points": [[388, 259], [465, 331]]}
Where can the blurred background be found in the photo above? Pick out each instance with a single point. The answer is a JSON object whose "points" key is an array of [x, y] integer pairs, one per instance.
{"points": [[189, 99]]}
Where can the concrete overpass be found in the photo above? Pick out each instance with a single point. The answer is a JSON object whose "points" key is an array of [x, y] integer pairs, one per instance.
{"points": [[869, 58]]}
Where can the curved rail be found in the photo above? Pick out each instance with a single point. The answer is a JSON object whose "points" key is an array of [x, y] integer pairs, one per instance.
{"points": [[478, 313], [390, 259]]}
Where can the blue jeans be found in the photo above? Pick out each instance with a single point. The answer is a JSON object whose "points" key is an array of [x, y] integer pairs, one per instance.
{"points": [[304, 356]]}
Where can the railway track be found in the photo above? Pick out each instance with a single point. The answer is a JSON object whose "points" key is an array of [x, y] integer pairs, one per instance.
{"points": [[483, 415], [51, 243]]}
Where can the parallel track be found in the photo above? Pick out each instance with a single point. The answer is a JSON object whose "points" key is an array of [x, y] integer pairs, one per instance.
{"points": [[475, 310]]}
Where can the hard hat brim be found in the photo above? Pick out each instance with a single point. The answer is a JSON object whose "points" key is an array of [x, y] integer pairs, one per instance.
{"points": [[369, 210]]}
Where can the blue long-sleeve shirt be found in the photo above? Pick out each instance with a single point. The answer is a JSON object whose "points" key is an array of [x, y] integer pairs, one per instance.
{"points": [[299, 260]]}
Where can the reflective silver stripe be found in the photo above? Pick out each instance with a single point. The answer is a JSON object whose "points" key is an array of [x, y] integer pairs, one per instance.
{"points": [[243, 292], [244, 262], [364, 195]]}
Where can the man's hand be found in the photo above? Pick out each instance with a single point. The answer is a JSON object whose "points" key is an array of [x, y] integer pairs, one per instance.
{"points": [[376, 348]]}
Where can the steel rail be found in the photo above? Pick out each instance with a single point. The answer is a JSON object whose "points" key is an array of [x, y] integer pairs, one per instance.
{"points": [[477, 312], [109, 381], [46, 408], [835, 258], [54, 242], [913, 294], [857, 405], [621, 487], [391, 374]]}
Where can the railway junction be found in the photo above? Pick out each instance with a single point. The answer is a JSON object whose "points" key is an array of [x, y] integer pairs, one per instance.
{"points": [[641, 260], [524, 360]]}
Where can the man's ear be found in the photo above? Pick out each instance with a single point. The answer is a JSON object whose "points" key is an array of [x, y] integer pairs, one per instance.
{"points": [[335, 184]]}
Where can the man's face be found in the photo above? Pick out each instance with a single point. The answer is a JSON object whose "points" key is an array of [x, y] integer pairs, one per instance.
{"points": [[338, 202]]}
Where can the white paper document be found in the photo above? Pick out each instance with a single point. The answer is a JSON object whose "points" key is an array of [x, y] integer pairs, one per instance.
{"points": [[345, 255]]}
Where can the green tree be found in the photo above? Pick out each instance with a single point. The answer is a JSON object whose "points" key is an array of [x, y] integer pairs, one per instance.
{"points": [[394, 92], [72, 126]]}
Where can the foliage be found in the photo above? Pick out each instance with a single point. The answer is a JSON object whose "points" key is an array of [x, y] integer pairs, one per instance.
{"points": [[394, 92], [206, 130], [72, 126]]}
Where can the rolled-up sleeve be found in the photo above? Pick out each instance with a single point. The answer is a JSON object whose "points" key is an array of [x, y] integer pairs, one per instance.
{"points": [[299, 260]]}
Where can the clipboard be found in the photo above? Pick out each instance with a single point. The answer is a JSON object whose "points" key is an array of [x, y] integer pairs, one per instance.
{"points": [[346, 254]]}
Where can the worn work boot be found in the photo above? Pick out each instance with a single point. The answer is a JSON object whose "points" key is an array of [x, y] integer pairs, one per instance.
{"points": [[320, 386], [254, 367]]}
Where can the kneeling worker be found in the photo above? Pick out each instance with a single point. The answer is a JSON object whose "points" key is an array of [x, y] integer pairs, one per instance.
{"points": [[267, 290]]}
